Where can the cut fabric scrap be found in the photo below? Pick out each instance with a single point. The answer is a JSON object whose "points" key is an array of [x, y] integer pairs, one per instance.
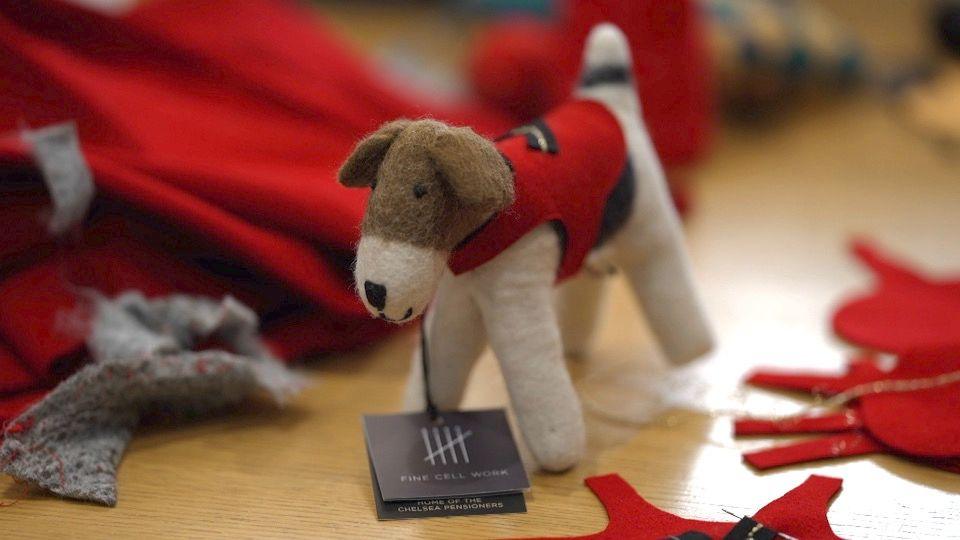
{"points": [[905, 310], [72, 440], [801, 512]]}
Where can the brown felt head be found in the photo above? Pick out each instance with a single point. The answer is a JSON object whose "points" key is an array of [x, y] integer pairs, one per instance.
{"points": [[433, 184]]}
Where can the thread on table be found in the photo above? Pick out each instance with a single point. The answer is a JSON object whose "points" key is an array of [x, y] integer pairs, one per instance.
{"points": [[821, 403], [890, 386]]}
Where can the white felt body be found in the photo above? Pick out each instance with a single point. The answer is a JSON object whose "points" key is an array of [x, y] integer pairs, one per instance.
{"points": [[509, 301]]}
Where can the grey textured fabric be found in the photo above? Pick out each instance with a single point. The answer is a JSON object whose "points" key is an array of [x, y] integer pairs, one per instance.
{"points": [[56, 149], [72, 441]]}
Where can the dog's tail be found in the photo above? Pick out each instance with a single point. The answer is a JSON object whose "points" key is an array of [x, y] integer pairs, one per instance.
{"points": [[651, 250], [607, 74]]}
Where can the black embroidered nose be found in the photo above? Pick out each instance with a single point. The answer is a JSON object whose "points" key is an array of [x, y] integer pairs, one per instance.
{"points": [[376, 294]]}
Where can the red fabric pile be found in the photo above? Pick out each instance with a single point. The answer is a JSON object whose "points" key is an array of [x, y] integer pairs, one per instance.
{"points": [[917, 319], [214, 130]]}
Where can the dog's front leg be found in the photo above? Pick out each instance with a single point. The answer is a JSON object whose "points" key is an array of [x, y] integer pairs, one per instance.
{"points": [[455, 339], [514, 292]]}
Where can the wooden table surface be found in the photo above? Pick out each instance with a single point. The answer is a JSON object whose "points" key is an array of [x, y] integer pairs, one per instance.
{"points": [[775, 208]]}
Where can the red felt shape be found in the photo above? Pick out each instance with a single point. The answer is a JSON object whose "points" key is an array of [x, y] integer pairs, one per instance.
{"points": [[528, 67], [569, 187], [905, 311], [801, 512], [919, 424], [15, 376]]}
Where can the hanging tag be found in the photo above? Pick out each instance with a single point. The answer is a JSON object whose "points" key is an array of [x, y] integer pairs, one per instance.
{"points": [[56, 149], [464, 463]]}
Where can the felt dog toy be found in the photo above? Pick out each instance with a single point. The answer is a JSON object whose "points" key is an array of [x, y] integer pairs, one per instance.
{"points": [[486, 229]]}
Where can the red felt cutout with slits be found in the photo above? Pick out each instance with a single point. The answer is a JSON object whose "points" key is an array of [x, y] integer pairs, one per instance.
{"points": [[801, 512], [919, 424], [907, 313]]}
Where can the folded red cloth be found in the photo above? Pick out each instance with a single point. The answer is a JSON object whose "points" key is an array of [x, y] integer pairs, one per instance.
{"points": [[214, 157]]}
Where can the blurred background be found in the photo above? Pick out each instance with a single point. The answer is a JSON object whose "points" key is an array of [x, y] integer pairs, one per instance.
{"points": [[212, 131]]}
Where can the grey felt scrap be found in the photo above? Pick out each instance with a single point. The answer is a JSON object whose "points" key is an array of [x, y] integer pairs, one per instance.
{"points": [[56, 150], [71, 442]]}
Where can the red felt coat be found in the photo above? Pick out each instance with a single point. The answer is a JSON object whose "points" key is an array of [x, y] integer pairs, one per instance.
{"points": [[565, 167]]}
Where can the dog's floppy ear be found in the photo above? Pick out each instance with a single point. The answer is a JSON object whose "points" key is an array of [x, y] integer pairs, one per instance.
{"points": [[471, 165], [361, 167]]}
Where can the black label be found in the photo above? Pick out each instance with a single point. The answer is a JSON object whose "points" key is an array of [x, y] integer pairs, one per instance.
{"points": [[747, 528], [465, 454], [504, 503]]}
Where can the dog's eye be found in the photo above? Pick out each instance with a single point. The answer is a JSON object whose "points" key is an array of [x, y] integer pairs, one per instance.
{"points": [[419, 190]]}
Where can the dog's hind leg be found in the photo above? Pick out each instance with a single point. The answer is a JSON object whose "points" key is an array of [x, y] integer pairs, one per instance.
{"points": [[579, 301], [650, 248], [455, 339], [515, 295]]}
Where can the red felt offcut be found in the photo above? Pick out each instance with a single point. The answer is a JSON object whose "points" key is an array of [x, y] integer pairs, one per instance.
{"points": [[905, 310]]}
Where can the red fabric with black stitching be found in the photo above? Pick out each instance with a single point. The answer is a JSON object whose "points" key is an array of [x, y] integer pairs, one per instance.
{"points": [[801, 512], [569, 187]]}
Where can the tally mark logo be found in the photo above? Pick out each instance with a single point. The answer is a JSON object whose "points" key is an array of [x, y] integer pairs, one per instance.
{"points": [[441, 441]]}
